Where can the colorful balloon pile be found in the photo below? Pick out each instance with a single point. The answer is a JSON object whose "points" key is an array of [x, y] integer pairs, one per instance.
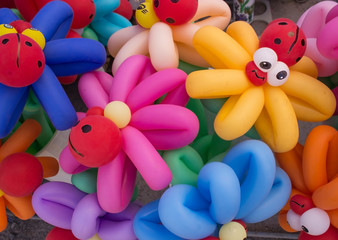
{"points": [[172, 109]]}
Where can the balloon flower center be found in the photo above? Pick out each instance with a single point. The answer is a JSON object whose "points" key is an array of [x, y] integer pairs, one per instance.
{"points": [[118, 112]]}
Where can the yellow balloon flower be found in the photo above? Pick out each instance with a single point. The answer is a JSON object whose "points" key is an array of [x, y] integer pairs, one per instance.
{"points": [[273, 107]]}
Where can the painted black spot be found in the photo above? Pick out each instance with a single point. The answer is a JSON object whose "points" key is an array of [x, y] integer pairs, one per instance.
{"points": [[282, 23], [156, 3], [4, 41], [302, 42], [305, 229], [39, 64], [277, 41], [175, 1], [86, 128], [29, 44], [297, 60], [170, 20], [91, 16]]}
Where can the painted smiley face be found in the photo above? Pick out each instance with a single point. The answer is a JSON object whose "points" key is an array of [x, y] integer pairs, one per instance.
{"points": [[22, 60], [265, 67], [255, 75], [94, 141], [286, 39]]}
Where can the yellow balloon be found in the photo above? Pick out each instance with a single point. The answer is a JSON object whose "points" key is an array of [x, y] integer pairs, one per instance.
{"points": [[1, 193], [95, 237], [232, 231], [118, 112], [36, 35], [6, 29], [145, 15]]}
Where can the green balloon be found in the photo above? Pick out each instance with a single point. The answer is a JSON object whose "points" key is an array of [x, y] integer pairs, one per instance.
{"points": [[34, 110], [86, 181], [188, 68], [196, 107], [185, 164], [89, 33]]}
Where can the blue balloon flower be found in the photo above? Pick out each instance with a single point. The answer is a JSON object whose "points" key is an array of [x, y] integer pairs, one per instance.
{"points": [[63, 57]]}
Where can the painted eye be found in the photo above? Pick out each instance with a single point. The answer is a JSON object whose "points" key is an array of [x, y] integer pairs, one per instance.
{"points": [[265, 59], [36, 35], [279, 74], [293, 220], [86, 128], [6, 29], [315, 221]]}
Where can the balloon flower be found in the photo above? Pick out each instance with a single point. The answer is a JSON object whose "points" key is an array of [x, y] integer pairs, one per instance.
{"points": [[106, 20], [245, 186], [266, 82], [164, 31], [21, 173], [313, 207], [64, 206], [33, 54], [319, 24], [124, 128], [84, 12]]}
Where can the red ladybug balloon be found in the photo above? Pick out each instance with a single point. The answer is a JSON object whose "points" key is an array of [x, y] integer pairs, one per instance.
{"points": [[284, 37], [175, 12], [21, 60], [95, 141], [20, 174]]}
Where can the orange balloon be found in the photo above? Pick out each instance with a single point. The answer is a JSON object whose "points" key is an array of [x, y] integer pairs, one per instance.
{"points": [[315, 156], [20, 207], [21, 139], [3, 214]]}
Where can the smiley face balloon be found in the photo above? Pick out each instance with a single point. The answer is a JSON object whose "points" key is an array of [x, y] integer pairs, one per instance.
{"points": [[95, 141]]}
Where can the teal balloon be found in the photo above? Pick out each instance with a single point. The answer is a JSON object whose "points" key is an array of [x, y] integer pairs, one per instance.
{"points": [[86, 181]]}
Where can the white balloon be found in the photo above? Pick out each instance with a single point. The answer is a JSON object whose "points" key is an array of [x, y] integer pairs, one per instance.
{"points": [[315, 221]]}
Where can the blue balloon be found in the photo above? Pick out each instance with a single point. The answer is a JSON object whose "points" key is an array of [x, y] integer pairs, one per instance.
{"points": [[183, 210], [7, 16], [11, 107], [147, 224], [71, 56], [254, 164], [218, 183], [275, 201], [54, 100], [53, 20], [247, 185]]}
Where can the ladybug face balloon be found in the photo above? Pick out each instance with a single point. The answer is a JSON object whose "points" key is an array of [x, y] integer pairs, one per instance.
{"points": [[22, 60], [286, 39], [175, 12], [95, 141]]}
